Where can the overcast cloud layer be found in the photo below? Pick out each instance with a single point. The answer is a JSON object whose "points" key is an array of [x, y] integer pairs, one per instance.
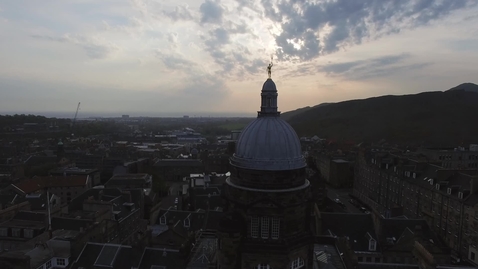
{"points": [[208, 57]]}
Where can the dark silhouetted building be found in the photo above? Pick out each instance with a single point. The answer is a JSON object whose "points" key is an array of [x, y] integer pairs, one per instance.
{"points": [[268, 202]]}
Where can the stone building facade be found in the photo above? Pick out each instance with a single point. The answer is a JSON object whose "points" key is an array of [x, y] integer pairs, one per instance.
{"points": [[455, 158], [446, 198], [268, 204]]}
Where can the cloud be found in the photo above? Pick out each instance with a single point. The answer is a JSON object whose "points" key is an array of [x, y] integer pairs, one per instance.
{"points": [[204, 86], [221, 36], [340, 68], [310, 29], [195, 80], [141, 6], [464, 45], [255, 66], [215, 44], [173, 39], [94, 47], [372, 68], [180, 13], [211, 12], [174, 61], [199, 93]]}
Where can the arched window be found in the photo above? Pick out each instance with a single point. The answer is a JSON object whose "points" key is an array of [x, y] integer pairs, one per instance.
{"points": [[297, 263], [269, 102], [265, 227], [262, 266], [255, 227]]}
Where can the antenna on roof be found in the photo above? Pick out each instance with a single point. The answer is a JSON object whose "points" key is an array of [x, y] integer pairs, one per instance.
{"points": [[50, 235]]}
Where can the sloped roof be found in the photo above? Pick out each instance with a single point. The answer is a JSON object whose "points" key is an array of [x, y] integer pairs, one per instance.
{"points": [[39, 160], [472, 200], [353, 226], [178, 162], [205, 202], [10, 199], [204, 253], [38, 202], [161, 257], [26, 219], [70, 223], [212, 220], [107, 195], [30, 216], [173, 216], [99, 256], [37, 183], [407, 231], [395, 227]]}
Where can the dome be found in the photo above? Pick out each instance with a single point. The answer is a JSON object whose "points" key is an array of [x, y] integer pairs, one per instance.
{"points": [[269, 86], [268, 143]]}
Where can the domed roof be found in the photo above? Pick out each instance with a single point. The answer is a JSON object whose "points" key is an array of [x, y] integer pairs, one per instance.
{"points": [[268, 143], [269, 86]]}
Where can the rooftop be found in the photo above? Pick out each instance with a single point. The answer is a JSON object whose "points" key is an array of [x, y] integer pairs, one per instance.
{"points": [[38, 183], [99, 256]]}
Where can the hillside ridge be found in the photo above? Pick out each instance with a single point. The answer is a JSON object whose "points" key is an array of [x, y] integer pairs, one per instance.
{"points": [[423, 118]]}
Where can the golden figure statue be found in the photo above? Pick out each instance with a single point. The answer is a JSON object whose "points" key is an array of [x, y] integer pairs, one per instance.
{"points": [[269, 68]]}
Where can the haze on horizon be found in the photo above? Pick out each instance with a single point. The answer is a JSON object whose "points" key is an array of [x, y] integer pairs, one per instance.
{"points": [[146, 57]]}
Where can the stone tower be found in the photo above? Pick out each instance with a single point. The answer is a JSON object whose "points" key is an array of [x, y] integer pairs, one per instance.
{"points": [[267, 197]]}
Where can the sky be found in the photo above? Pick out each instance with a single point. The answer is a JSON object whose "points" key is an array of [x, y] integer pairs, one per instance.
{"points": [[209, 58]]}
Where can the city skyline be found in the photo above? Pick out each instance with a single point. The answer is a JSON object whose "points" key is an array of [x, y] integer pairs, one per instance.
{"points": [[151, 58]]}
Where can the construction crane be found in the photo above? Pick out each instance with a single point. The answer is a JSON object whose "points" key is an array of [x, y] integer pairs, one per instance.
{"points": [[74, 119]]}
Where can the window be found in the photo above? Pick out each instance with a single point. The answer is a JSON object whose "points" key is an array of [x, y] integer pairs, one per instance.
{"points": [[472, 255], [28, 233], [48, 264], [263, 266], [255, 227], [187, 222], [162, 220], [4, 232], [275, 228], [372, 245], [297, 263], [368, 259], [16, 232], [61, 262], [265, 227]]}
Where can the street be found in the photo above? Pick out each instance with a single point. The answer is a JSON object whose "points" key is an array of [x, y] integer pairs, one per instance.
{"points": [[343, 196]]}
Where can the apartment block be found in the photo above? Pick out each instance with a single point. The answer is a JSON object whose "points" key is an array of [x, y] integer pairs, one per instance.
{"points": [[395, 185]]}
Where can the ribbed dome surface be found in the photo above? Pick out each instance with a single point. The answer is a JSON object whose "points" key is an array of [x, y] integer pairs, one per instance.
{"points": [[268, 143], [269, 86]]}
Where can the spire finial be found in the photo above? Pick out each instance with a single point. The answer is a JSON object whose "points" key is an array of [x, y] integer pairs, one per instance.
{"points": [[269, 68]]}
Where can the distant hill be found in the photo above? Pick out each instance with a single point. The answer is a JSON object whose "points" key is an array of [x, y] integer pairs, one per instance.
{"points": [[469, 87], [433, 118], [289, 114]]}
